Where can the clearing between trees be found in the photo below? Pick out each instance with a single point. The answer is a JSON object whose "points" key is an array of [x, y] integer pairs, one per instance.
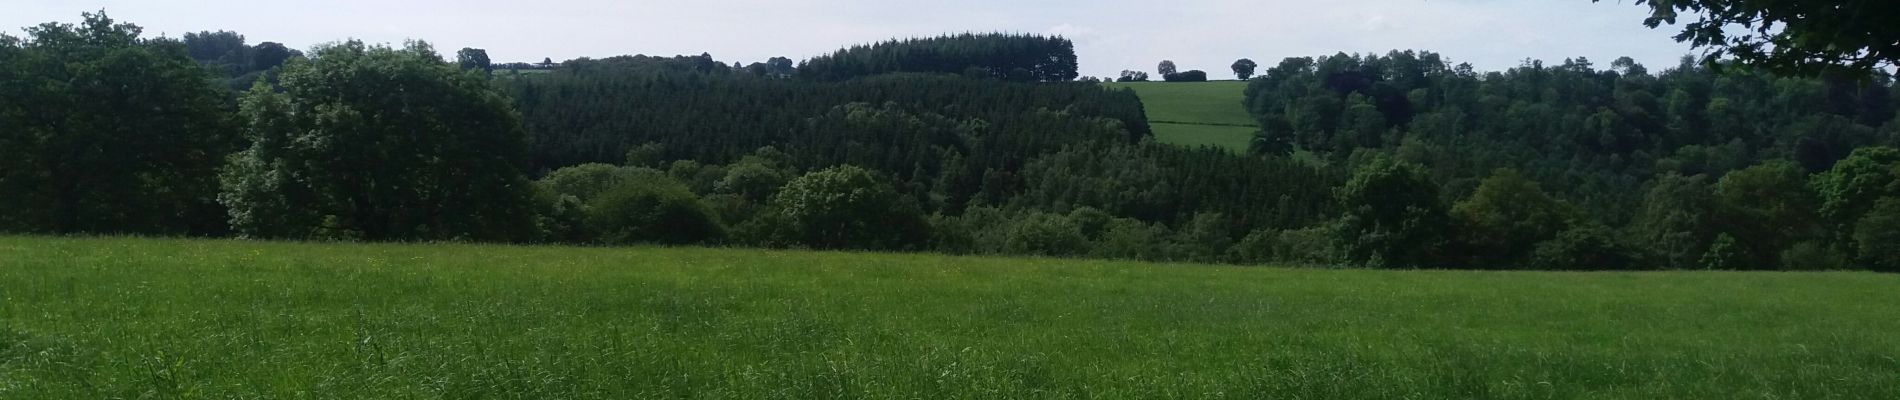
{"points": [[1197, 113]]}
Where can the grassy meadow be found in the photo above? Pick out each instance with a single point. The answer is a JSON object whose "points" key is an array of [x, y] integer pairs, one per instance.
{"points": [[87, 318], [1232, 138], [1197, 113]]}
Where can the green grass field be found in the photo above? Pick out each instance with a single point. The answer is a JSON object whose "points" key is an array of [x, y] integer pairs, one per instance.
{"points": [[1233, 138], [150, 318], [1217, 102], [1197, 113]]}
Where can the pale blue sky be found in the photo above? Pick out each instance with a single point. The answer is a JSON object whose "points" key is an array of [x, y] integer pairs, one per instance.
{"points": [[1110, 35]]}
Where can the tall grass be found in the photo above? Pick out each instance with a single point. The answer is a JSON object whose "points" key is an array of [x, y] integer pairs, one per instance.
{"points": [[151, 318]]}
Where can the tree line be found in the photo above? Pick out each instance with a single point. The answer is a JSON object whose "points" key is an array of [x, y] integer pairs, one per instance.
{"points": [[1696, 166], [1388, 161], [1020, 58]]}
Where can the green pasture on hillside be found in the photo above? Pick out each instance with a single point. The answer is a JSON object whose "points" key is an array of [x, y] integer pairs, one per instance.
{"points": [[1197, 113], [1216, 102], [88, 318], [1233, 138]]}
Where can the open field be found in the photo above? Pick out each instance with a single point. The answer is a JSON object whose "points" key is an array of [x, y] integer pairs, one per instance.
{"points": [[1235, 138], [1217, 102], [1197, 113], [138, 318]]}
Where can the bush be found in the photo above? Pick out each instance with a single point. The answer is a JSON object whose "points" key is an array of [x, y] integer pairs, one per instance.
{"points": [[1878, 236], [1312, 245], [767, 227], [700, 178], [1256, 248], [750, 181], [652, 211], [1205, 238], [1724, 254], [1045, 235], [1090, 221], [647, 155], [980, 230], [846, 207], [1189, 76], [1812, 256], [586, 181], [1309, 246], [1130, 239], [560, 218], [1586, 247]]}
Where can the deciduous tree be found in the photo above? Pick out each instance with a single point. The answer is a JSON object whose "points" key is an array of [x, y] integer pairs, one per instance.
{"points": [[104, 132], [1799, 36], [473, 58], [1243, 68], [1393, 217], [378, 143], [847, 207]]}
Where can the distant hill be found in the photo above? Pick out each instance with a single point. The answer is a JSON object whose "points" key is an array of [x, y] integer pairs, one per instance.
{"points": [[1197, 113]]}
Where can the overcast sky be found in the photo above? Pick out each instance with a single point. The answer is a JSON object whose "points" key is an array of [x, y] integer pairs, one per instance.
{"points": [[1110, 35]]}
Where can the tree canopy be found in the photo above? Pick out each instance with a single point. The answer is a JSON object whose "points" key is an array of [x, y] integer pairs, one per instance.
{"points": [[103, 131], [1021, 58], [379, 143], [1244, 68], [1806, 37]]}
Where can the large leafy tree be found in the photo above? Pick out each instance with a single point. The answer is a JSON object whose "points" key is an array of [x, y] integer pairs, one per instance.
{"points": [[1393, 217], [1852, 188], [473, 58], [780, 67], [1768, 208], [221, 47], [1798, 36], [380, 143], [652, 209], [1678, 219], [269, 55], [101, 131], [1504, 220], [1244, 68], [1878, 236]]}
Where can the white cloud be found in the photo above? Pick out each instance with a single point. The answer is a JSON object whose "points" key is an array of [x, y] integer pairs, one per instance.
{"points": [[1375, 23]]}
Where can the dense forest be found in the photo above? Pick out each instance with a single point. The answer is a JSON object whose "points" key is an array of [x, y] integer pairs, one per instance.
{"points": [[1693, 162], [965, 144], [1020, 58]]}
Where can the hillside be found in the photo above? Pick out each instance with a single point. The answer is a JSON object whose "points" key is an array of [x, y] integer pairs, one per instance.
{"points": [[1197, 113], [120, 318], [977, 143]]}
